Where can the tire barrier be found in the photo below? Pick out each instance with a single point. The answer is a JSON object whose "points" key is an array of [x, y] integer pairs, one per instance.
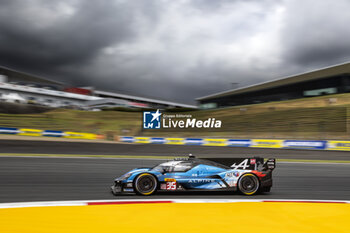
{"points": [[341, 145], [47, 133], [256, 143]]}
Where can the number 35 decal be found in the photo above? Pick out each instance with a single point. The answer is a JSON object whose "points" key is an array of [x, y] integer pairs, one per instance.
{"points": [[171, 185]]}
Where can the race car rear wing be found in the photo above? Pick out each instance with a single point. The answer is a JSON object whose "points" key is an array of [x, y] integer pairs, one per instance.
{"points": [[270, 164], [255, 163]]}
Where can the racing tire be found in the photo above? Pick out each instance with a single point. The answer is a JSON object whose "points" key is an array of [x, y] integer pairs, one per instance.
{"points": [[145, 184], [248, 184]]}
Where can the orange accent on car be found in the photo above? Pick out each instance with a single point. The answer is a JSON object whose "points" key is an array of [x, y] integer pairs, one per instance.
{"points": [[170, 180], [259, 174]]}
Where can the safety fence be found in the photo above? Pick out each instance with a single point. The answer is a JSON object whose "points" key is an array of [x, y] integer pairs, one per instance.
{"points": [[258, 143], [48, 133]]}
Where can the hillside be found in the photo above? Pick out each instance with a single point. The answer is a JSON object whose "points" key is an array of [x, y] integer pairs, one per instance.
{"points": [[318, 117]]}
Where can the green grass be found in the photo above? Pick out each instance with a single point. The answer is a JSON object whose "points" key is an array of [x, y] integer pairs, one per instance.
{"points": [[73, 120], [88, 156], [309, 118]]}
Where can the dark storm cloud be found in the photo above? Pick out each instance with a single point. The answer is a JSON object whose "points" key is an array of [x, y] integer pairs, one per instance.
{"points": [[176, 50], [316, 33], [70, 40]]}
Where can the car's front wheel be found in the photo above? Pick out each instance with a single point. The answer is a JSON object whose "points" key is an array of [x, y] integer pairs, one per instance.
{"points": [[145, 184], [248, 184]]}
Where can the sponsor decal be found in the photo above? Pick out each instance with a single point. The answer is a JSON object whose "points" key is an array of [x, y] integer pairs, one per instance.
{"points": [[170, 180], [252, 161], [263, 143], [267, 143], [304, 144], [194, 141], [78, 135], [196, 181], [128, 190], [338, 145], [232, 174], [158, 140], [175, 141], [127, 139], [142, 139], [214, 142], [6, 130], [52, 133], [239, 142], [30, 132]]}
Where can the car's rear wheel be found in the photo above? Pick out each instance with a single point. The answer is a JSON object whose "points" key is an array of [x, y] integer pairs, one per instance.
{"points": [[145, 184], [248, 184]]}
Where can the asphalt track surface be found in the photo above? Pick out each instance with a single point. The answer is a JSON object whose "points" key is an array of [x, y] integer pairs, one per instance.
{"points": [[52, 179], [92, 148]]}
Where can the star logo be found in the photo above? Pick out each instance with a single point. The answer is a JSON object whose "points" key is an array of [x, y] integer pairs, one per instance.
{"points": [[151, 120], [156, 115]]}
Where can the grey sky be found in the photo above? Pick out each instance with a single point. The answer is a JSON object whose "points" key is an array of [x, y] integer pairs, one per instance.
{"points": [[175, 50]]}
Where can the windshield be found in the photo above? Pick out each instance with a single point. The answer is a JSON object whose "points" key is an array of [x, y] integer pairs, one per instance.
{"points": [[173, 166]]}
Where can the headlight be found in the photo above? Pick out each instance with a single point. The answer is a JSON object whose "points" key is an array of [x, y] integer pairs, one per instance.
{"points": [[129, 185], [125, 176]]}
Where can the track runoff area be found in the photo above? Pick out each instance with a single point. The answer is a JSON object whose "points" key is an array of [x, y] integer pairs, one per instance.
{"points": [[306, 197], [176, 216]]}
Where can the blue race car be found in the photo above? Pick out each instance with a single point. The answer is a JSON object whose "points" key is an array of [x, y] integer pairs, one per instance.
{"points": [[247, 175]]}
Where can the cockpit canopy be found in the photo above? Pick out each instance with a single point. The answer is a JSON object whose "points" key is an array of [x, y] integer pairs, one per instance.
{"points": [[174, 166]]}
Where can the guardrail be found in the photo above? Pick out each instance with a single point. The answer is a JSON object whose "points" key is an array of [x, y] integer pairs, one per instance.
{"points": [[47, 133], [340, 145], [257, 143]]}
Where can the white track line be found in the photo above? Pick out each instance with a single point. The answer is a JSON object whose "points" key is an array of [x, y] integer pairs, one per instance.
{"points": [[145, 201]]}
